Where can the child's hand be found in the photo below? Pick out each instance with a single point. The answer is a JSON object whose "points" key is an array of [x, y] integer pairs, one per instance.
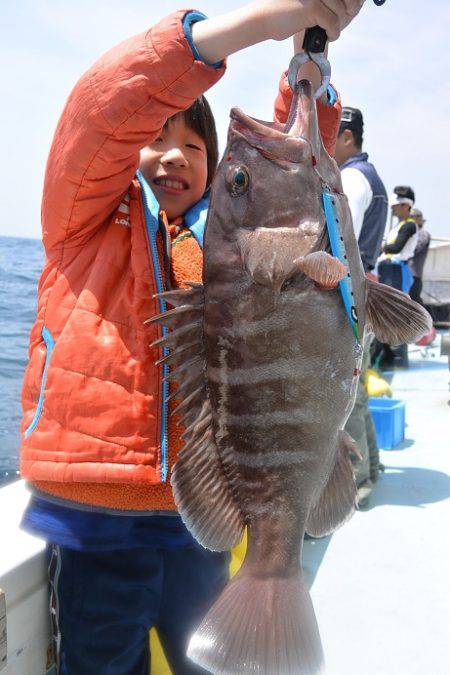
{"points": [[286, 17]]}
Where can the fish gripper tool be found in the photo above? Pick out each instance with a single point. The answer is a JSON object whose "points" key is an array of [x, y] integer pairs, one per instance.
{"points": [[313, 50]]}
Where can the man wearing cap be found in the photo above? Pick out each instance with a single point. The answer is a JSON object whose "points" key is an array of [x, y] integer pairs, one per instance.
{"points": [[363, 187], [368, 204], [393, 267], [401, 241], [417, 262]]}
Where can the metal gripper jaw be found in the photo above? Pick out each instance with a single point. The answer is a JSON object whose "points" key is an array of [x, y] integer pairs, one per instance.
{"points": [[322, 63], [314, 47]]}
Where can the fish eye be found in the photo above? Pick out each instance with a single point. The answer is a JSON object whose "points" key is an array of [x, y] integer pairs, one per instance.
{"points": [[238, 181]]}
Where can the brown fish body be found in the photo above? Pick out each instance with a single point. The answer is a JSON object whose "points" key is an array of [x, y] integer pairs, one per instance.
{"points": [[268, 362], [281, 356], [279, 394], [281, 365]]}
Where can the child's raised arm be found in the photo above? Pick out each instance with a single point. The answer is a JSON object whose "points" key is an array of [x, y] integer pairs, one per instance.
{"points": [[270, 20], [124, 99], [118, 106]]}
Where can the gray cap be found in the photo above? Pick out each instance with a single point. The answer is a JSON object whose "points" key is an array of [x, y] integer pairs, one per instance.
{"points": [[416, 213]]}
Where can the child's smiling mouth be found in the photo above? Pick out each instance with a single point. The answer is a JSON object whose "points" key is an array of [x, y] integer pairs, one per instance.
{"points": [[171, 184]]}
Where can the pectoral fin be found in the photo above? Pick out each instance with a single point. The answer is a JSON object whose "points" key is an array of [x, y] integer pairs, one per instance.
{"points": [[323, 268], [393, 316], [337, 501]]}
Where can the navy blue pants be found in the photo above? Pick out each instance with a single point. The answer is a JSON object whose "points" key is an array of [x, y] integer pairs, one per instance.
{"points": [[104, 603], [390, 274]]}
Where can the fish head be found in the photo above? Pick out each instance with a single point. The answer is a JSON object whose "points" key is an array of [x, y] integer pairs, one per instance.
{"points": [[270, 189]]}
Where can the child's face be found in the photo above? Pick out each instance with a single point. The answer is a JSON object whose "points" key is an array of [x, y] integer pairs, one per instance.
{"points": [[175, 166]]}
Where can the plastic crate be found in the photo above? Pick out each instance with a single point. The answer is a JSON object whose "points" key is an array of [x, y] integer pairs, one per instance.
{"points": [[389, 419]]}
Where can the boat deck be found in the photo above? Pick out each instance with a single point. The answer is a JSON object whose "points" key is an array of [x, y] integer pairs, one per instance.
{"points": [[380, 585]]}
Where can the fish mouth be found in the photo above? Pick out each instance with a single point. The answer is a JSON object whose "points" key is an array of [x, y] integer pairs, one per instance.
{"points": [[292, 143]]}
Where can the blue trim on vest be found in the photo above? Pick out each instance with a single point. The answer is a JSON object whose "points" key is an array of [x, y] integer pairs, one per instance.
{"points": [[188, 19], [355, 159], [50, 344], [151, 210], [331, 95], [195, 218], [338, 250]]}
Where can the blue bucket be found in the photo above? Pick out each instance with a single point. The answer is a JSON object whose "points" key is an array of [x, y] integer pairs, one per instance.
{"points": [[389, 420]]}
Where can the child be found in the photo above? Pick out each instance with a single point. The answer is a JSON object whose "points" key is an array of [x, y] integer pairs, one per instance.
{"points": [[98, 442]]}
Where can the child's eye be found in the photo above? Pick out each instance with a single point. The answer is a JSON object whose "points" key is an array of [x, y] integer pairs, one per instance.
{"points": [[192, 145]]}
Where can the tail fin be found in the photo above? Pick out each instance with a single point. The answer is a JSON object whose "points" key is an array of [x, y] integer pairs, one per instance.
{"points": [[260, 625]]}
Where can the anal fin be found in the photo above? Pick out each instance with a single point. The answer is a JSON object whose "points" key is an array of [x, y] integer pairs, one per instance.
{"points": [[337, 501]]}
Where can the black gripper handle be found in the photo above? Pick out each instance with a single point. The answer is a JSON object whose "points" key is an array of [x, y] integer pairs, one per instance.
{"points": [[315, 40]]}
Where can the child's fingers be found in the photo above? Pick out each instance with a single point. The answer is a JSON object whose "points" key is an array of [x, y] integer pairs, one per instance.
{"points": [[352, 9], [329, 19], [345, 10], [353, 6]]}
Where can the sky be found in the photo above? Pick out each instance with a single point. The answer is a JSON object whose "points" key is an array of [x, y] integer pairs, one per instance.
{"points": [[392, 62]]}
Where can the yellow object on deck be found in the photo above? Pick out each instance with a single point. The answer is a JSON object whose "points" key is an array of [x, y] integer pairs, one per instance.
{"points": [[159, 663], [238, 555], [375, 384]]}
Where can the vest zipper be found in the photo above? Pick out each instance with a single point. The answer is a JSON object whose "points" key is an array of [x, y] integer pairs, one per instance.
{"points": [[150, 220]]}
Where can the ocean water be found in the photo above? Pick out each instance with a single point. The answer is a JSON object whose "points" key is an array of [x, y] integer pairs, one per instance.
{"points": [[21, 262]]}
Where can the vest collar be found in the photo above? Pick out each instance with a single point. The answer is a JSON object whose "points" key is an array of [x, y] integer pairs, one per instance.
{"points": [[361, 157], [194, 218]]}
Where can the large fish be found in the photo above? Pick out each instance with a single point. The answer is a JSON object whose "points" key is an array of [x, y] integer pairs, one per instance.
{"points": [[267, 353]]}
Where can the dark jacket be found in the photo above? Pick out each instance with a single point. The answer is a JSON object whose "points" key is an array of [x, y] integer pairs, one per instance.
{"points": [[374, 223]]}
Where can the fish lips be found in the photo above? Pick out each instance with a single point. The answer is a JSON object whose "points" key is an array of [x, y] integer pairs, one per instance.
{"points": [[269, 139], [295, 142]]}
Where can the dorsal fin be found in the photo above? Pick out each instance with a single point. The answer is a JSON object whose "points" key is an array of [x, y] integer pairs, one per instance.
{"points": [[201, 478]]}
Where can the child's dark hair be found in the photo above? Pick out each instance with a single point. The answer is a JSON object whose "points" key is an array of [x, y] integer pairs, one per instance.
{"points": [[200, 119]]}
